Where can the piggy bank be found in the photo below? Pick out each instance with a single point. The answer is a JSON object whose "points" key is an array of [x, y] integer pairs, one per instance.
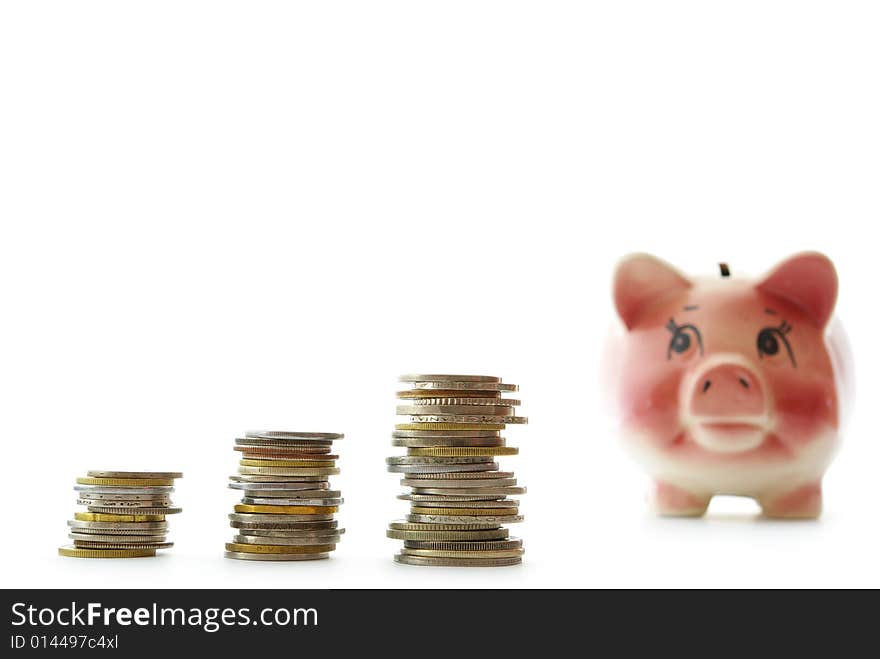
{"points": [[730, 386]]}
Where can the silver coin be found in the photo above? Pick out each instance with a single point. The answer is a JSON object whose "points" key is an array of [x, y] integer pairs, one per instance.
{"points": [[270, 527], [256, 442], [98, 496], [466, 401], [94, 537], [147, 528], [114, 499], [243, 444], [241, 556], [504, 503], [465, 519], [124, 505], [453, 410], [260, 501], [140, 511], [450, 497], [291, 528], [443, 434], [252, 478], [463, 418], [294, 436], [465, 386], [446, 377], [293, 494], [453, 484], [298, 541], [404, 525], [90, 524], [293, 518], [325, 459], [449, 536], [291, 486], [441, 469], [274, 520], [125, 536], [486, 475], [457, 562], [469, 545], [292, 533], [465, 491], [433, 442], [129, 542], [297, 472], [434, 460], [291, 449], [482, 554], [135, 474], [116, 489]]}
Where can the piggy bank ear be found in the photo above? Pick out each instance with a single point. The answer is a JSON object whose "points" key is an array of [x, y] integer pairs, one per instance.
{"points": [[806, 280], [641, 280]]}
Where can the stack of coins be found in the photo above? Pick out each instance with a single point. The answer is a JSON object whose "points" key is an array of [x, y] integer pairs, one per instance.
{"points": [[458, 498], [126, 514], [287, 509]]}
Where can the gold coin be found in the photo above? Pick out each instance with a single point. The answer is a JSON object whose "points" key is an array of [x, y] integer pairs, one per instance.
{"points": [[80, 552], [488, 512], [435, 553], [279, 549], [447, 393], [449, 426], [247, 462], [113, 517], [461, 451], [285, 510], [133, 482]]}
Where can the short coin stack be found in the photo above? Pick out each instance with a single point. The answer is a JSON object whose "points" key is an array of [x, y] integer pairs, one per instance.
{"points": [[458, 499], [126, 514], [287, 509]]}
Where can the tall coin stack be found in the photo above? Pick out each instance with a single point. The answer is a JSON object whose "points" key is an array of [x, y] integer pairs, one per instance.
{"points": [[458, 498], [287, 509], [126, 514]]}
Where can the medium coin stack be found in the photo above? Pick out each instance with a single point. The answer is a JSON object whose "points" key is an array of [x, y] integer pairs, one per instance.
{"points": [[126, 514], [287, 509], [458, 498]]}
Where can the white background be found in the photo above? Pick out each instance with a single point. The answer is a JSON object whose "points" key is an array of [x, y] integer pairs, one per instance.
{"points": [[220, 216]]}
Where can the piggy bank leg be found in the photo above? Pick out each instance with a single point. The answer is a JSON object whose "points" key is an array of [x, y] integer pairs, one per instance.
{"points": [[804, 502], [672, 501]]}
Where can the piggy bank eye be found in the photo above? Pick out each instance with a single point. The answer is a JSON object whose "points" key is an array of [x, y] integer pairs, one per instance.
{"points": [[680, 342], [770, 338], [684, 337], [767, 343]]}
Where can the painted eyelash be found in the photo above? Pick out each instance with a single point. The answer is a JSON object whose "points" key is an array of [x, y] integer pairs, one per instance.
{"points": [[783, 329], [676, 329]]}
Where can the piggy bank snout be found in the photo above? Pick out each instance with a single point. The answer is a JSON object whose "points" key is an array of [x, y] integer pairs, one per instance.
{"points": [[725, 405], [727, 390]]}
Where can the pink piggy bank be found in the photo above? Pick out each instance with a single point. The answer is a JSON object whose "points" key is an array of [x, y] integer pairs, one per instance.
{"points": [[730, 386]]}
